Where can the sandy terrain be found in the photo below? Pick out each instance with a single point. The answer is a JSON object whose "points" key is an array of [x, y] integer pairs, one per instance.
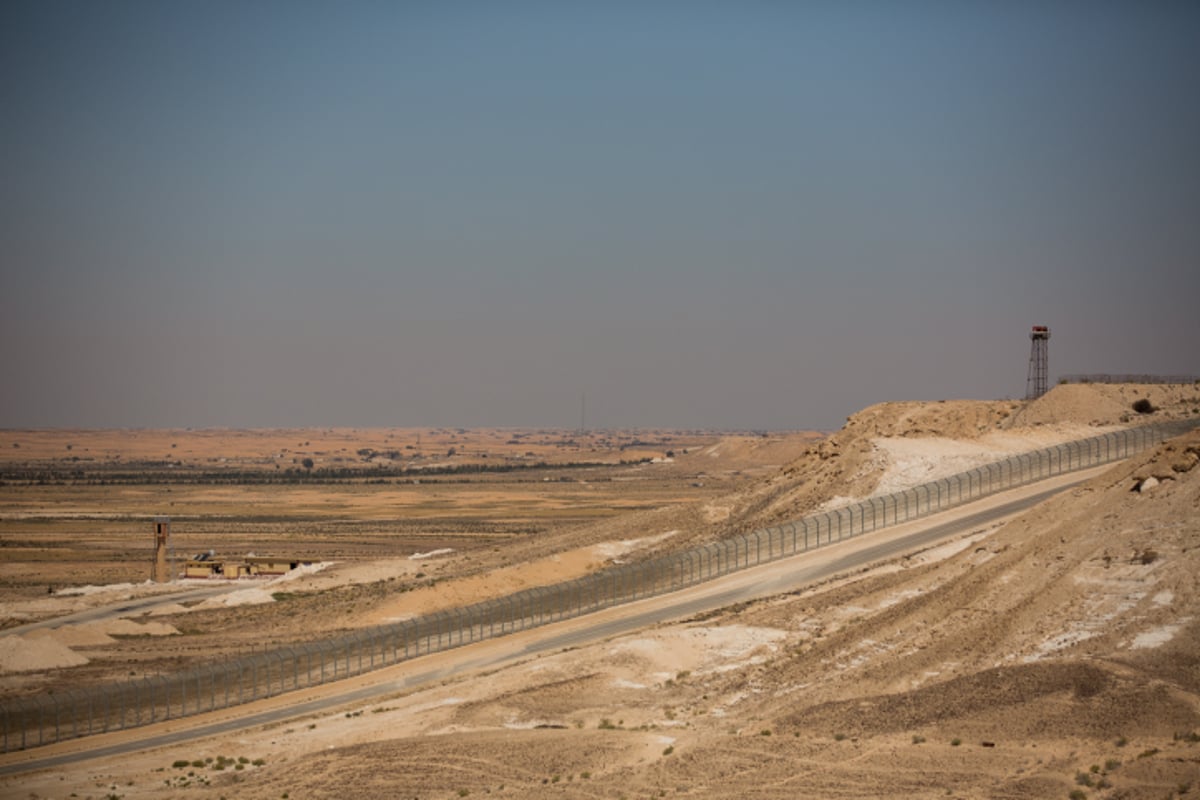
{"points": [[1053, 656], [268, 450], [388, 538]]}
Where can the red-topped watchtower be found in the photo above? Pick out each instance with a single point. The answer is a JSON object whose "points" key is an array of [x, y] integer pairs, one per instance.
{"points": [[1039, 362]]}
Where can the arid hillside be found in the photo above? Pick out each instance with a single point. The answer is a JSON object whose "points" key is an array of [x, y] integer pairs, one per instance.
{"points": [[1051, 656], [1054, 656], [895, 445]]}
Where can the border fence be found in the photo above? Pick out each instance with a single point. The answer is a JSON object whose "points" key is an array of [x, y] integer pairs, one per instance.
{"points": [[1107, 378], [70, 713]]}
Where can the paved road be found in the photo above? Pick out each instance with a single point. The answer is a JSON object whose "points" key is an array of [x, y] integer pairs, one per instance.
{"points": [[770, 579], [125, 608], [794, 579]]}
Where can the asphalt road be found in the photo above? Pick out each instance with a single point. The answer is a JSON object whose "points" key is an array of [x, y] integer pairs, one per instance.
{"points": [[124, 608], [778, 577]]}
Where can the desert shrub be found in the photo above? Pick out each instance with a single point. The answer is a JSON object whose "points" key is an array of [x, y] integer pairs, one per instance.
{"points": [[1143, 406]]}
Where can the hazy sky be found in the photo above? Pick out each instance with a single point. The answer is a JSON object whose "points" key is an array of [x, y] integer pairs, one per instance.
{"points": [[717, 214]]}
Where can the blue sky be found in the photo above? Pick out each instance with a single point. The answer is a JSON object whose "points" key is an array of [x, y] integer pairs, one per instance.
{"points": [[704, 214]]}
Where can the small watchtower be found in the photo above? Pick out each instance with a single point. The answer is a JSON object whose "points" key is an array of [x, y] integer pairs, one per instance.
{"points": [[162, 536], [1039, 362]]}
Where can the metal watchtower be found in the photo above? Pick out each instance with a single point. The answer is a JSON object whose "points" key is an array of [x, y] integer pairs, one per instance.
{"points": [[1036, 383]]}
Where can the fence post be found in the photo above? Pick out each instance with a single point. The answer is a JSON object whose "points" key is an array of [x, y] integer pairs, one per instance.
{"points": [[580, 595], [466, 622], [489, 611]]}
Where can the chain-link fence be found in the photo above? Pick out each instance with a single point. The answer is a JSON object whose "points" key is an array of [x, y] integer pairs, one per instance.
{"points": [[69, 713]]}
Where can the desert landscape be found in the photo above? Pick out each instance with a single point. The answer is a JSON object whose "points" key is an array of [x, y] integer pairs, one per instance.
{"points": [[605, 401], [1053, 655]]}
